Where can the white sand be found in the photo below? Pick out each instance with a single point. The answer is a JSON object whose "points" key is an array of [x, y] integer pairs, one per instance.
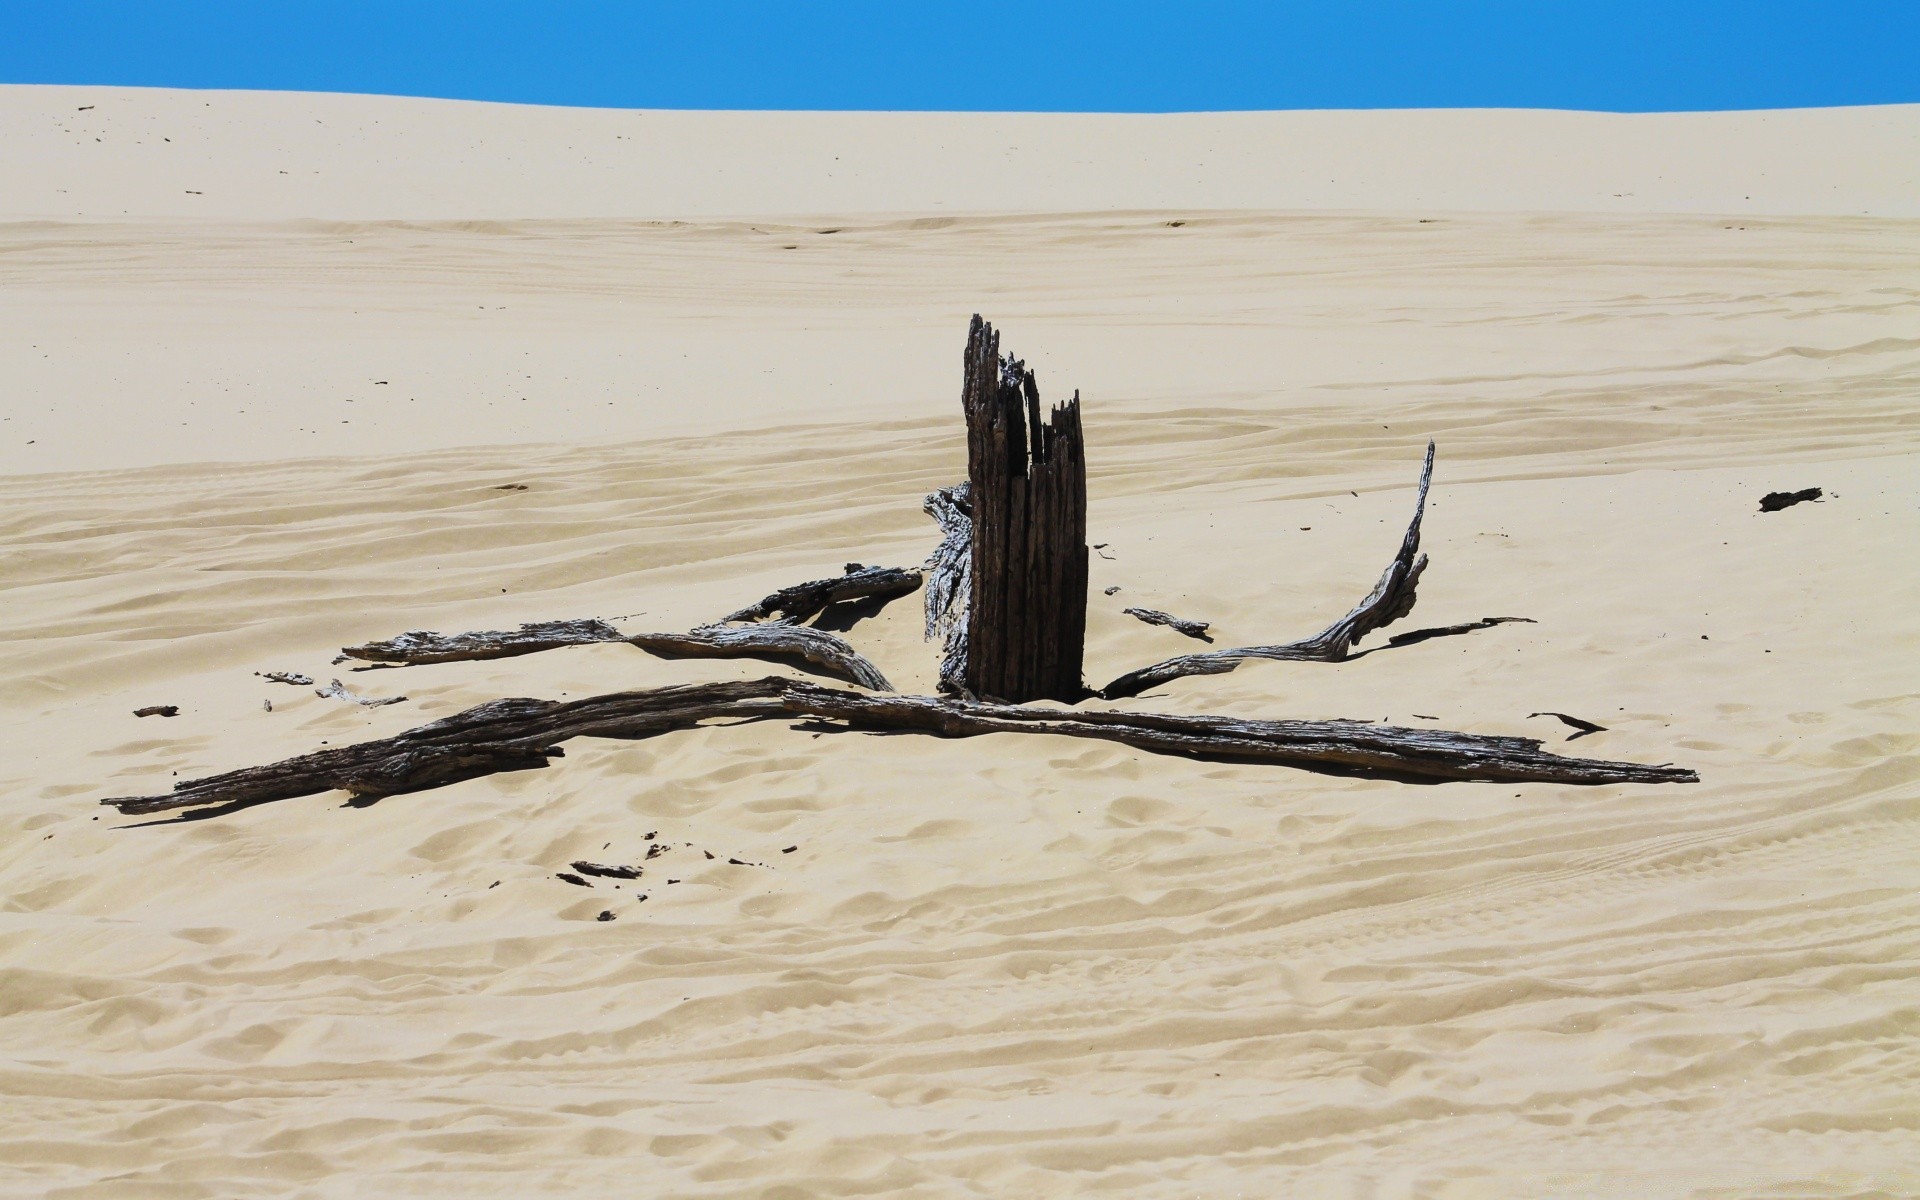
{"points": [[1003, 967]]}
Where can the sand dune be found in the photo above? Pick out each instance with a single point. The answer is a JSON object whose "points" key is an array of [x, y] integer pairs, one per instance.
{"points": [[1001, 967]]}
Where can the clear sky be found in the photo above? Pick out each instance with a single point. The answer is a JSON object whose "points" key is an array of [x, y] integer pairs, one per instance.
{"points": [[1632, 55]]}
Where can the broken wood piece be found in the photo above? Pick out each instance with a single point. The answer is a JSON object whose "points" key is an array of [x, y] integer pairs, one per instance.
{"points": [[338, 691], [605, 870], [773, 640], [418, 646], [1392, 598], [1413, 636], [1775, 501], [570, 878], [501, 735], [1585, 727], [950, 581], [292, 677], [803, 601], [1153, 616], [521, 734], [158, 710]]}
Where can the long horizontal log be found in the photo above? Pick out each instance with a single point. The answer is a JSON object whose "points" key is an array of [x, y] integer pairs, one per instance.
{"points": [[500, 735], [1391, 599], [1390, 749], [520, 734], [804, 601], [775, 640]]}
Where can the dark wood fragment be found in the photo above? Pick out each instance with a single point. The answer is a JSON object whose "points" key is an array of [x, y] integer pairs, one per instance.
{"points": [[1153, 616], [1027, 612], [158, 710], [773, 639], [1585, 727], [605, 870], [803, 601], [1392, 598], [417, 646], [519, 734], [1413, 636], [1775, 501], [573, 879], [292, 677]]}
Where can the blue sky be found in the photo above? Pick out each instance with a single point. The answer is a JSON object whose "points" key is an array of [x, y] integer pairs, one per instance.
{"points": [[1135, 57]]}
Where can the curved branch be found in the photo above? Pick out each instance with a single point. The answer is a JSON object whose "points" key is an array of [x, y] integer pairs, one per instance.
{"points": [[774, 639], [805, 600], [1390, 599]]}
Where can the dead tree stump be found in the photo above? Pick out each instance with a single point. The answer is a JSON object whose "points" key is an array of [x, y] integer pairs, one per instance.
{"points": [[1027, 483]]}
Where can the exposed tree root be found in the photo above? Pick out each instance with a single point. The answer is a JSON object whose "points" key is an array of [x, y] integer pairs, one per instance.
{"points": [[1391, 599], [520, 734]]}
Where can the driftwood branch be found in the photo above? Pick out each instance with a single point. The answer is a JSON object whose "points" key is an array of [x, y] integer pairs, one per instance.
{"points": [[418, 646], [1391, 599], [501, 735], [804, 601], [774, 639], [1353, 745], [1153, 616], [520, 734], [950, 581]]}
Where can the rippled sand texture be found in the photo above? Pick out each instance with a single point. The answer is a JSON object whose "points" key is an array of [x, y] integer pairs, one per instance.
{"points": [[999, 967]]}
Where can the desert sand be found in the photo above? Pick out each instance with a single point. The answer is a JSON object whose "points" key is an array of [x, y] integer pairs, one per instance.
{"points": [[246, 419]]}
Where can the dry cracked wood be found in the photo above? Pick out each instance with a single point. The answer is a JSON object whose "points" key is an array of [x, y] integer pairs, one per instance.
{"points": [[1153, 616], [773, 639], [950, 581], [520, 734], [776, 640], [1391, 599], [1027, 477], [804, 601], [418, 646], [1354, 745], [501, 735]]}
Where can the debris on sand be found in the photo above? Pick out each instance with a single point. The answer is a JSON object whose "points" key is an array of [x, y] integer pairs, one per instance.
{"points": [[338, 691], [606, 870], [1153, 616], [158, 710], [1775, 501], [1585, 727]]}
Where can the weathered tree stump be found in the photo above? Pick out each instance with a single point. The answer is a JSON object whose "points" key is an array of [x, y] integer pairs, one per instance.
{"points": [[1027, 487]]}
